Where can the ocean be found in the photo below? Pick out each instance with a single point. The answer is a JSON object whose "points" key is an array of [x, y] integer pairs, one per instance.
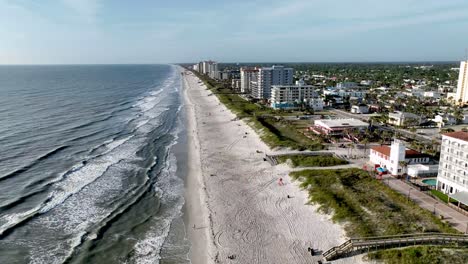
{"points": [[89, 169]]}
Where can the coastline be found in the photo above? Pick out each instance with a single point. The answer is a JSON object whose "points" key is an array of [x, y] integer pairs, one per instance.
{"points": [[232, 195], [194, 211]]}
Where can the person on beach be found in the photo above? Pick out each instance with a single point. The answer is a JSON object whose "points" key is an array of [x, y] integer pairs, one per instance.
{"points": [[289, 196], [280, 182]]}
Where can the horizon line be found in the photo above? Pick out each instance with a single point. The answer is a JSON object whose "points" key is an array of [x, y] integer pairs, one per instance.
{"points": [[230, 62]]}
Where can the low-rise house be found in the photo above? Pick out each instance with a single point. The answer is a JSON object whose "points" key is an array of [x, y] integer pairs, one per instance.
{"points": [[432, 95], [375, 108], [444, 120], [337, 127], [367, 82], [346, 85], [399, 118], [422, 170], [360, 109], [345, 93]]}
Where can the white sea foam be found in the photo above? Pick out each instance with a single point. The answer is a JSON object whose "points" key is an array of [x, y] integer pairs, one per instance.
{"points": [[169, 189], [101, 179], [78, 179]]}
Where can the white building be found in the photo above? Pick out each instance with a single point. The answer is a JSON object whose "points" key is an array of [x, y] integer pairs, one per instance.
{"points": [[432, 94], [247, 76], [316, 104], [444, 120], [367, 82], [346, 85], [346, 93], [208, 67], [462, 88], [291, 96], [389, 157], [337, 127], [236, 84], [403, 118], [268, 76], [360, 109], [453, 163], [422, 170]]}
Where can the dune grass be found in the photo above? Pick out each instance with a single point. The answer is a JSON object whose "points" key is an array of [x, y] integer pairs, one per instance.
{"points": [[421, 255], [311, 161], [365, 205]]}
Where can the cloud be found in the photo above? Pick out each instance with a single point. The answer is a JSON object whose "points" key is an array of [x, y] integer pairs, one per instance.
{"points": [[87, 10]]}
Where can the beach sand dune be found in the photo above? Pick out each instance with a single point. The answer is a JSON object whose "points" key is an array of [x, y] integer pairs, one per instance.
{"points": [[236, 208]]}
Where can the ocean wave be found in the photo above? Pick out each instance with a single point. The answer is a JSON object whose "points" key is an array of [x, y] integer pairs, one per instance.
{"points": [[33, 163], [68, 184], [169, 188]]}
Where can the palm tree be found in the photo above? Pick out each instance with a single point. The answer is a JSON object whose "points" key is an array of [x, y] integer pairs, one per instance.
{"points": [[365, 141]]}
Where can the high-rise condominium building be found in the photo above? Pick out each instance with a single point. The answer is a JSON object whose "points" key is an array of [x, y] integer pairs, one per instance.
{"points": [[453, 164], [247, 76], [291, 96], [268, 76], [461, 96]]}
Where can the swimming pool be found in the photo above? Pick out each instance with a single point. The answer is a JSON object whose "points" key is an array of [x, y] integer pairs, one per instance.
{"points": [[431, 182]]}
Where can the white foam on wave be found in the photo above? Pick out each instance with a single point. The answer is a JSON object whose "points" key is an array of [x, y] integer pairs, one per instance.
{"points": [[78, 179], [169, 189], [74, 182], [101, 178], [82, 210]]}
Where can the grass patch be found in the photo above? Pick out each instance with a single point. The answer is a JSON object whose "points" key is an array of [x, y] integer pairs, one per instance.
{"points": [[420, 255], [442, 196], [275, 133], [311, 161], [368, 207]]}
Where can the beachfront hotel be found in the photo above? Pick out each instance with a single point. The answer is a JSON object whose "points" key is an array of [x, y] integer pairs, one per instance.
{"points": [[453, 169], [461, 95], [390, 158], [292, 96], [247, 76], [208, 67], [269, 76]]}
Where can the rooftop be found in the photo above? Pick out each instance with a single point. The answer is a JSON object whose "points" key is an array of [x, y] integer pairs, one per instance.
{"points": [[402, 114], [409, 153], [458, 135], [350, 122]]}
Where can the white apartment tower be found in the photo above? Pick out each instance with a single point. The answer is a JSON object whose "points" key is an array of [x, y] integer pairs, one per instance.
{"points": [[461, 96], [453, 163], [397, 155], [207, 67], [288, 96], [268, 76], [247, 76]]}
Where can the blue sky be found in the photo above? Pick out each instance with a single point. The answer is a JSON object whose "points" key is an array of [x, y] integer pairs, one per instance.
{"points": [[144, 31]]}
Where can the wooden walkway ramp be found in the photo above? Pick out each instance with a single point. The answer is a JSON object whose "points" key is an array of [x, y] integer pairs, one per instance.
{"points": [[366, 244]]}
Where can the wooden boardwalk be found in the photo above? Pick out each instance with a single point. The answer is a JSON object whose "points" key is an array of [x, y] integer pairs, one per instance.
{"points": [[367, 244]]}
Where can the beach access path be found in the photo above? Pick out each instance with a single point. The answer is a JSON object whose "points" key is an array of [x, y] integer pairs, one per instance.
{"points": [[456, 219], [243, 214]]}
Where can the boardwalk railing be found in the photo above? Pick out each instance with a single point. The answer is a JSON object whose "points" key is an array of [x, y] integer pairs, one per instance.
{"points": [[374, 243]]}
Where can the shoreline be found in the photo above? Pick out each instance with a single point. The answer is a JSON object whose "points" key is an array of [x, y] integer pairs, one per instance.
{"points": [[194, 209], [243, 213]]}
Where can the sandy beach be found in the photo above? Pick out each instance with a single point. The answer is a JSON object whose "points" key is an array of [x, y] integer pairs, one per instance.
{"points": [[234, 204]]}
